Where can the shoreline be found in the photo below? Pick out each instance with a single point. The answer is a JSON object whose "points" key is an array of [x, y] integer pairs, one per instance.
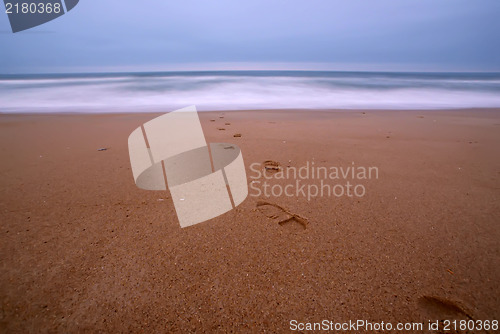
{"points": [[264, 110]]}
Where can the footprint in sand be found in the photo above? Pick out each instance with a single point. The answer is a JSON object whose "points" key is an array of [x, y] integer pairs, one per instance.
{"points": [[437, 308], [441, 306], [282, 216], [272, 166]]}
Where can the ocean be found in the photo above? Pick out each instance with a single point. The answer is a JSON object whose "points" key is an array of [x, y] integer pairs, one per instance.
{"points": [[237, 90]]}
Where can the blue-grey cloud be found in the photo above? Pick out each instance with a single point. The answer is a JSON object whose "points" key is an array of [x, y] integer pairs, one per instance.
{"points": [[447, 35]]}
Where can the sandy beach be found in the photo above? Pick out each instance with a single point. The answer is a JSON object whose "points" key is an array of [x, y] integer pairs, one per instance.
{"points": [[84, 250]]}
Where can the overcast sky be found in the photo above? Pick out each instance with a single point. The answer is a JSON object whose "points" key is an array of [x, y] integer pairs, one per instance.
{"points": [[115, 35]]}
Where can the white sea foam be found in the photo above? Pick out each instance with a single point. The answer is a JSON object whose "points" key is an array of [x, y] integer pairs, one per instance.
{"points": [[215, 91]]}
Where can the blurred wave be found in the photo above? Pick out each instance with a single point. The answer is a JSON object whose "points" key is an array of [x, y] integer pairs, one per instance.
{"points": [[233, 90]]}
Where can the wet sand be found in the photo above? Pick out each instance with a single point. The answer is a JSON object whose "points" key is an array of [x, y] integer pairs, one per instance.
{"points": [[83, 249]]}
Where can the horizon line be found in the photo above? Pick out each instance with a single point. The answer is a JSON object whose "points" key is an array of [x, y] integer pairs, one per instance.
{"points": [[250, 70], [252, 66]]}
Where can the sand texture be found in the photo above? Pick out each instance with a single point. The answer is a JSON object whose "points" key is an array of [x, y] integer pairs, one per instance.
{"points": [[82, 249]]}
